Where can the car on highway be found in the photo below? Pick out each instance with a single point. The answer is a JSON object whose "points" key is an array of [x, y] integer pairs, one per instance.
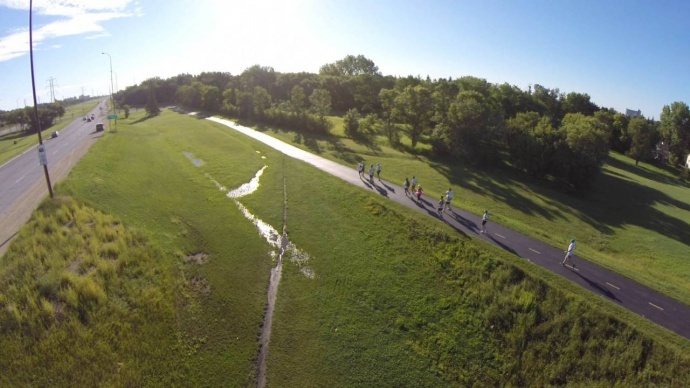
{"points": [[99, 127], [54, 134]]}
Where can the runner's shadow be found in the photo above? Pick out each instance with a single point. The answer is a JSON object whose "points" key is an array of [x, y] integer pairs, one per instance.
{"points": [[466, 223], [389, 188], [500, 244], [598, 288], [381, 190]]}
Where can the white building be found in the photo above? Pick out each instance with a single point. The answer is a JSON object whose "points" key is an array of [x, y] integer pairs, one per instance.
{"points": [[687, 162]]}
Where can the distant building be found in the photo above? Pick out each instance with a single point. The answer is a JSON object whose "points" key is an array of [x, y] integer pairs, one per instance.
{"points": [[633, 113]]}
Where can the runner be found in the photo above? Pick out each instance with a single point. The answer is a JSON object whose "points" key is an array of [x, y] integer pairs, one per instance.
{"points": [[414, 183], [378, 171], [360, 168], [485, 218], [406, 185], [371, 173], [439, 207], [419, 192], [569, 254], [449, 197]]}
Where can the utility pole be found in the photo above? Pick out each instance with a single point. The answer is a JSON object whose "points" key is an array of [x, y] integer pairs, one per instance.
{"points": [[42, 157]]}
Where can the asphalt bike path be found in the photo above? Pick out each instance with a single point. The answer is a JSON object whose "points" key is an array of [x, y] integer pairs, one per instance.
{"points": [[656, 307]]}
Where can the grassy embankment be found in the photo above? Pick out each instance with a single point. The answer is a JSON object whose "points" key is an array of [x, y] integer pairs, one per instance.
{"points": [[14, 143], [398, 299], [635, 220]]}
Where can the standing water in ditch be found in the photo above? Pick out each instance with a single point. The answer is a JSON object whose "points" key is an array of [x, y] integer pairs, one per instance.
{"points": [[281, 247]]}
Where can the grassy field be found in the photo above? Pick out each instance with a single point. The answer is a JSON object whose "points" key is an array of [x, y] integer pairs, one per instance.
{"points": [[635, 220], [162, 281], [14, 143]]}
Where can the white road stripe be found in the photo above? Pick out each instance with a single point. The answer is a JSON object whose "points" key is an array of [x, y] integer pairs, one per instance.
{"points": [[20, 179], [617, 288], [499, 235], [573, 268], [653, 305], [537, 252]]}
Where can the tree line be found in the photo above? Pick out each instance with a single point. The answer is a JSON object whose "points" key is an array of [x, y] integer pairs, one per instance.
{"points": [[541, 131], [26, 117]]}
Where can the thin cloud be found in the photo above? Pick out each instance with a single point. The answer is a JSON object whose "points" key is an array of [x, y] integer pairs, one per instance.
{"points": [[77, 17]]}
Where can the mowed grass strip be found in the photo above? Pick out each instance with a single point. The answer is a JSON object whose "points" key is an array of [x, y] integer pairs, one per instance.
{"points": [[635, 220]]}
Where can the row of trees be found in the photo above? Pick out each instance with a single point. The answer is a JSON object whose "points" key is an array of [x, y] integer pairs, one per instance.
{"points": [[25, 118], [543, 131]]}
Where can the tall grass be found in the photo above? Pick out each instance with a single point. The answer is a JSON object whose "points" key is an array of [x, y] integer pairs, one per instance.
{"points": [[77, 289]]}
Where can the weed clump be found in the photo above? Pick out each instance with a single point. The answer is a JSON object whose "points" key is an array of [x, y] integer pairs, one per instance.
{"points": [[65, 288]]}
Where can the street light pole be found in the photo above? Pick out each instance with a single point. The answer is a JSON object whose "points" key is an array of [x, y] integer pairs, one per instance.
{"points": [[112, 100]]}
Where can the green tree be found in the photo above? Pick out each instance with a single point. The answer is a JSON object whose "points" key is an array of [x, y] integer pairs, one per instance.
{"points": [[230, 101], [210, 98], [320, 101], [643, 138], [298, 101], [351, 123], [579, 103], [533, 143], [256, 75], [675, 130], [387, 99], [414, 107], [511, 99], [470, 127], [350, 65], [126, 109], [261, 101], [245, 104], [548, 102], [151, 107], [586, 148]]}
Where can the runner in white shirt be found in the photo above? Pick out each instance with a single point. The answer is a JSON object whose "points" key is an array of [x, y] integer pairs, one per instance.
{"points": [[569, 253], [485, 218], [449, 197]]}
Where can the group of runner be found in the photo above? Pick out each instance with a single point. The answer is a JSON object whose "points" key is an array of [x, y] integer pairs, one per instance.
{"points": [[414, 189], [372, 170]]}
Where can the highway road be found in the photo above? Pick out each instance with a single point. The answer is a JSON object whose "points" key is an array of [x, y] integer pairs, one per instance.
{"points": [[22, 180], [656, 307]]}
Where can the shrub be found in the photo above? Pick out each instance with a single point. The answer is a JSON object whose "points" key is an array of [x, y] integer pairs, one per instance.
{"points": [[351, 123]]}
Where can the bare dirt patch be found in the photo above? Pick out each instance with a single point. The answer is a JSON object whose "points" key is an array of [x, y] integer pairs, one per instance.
{"points": [[199, 284], [199, 258]]}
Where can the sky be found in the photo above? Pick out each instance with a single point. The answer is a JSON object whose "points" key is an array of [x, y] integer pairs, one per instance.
{"points": [[624, 54]]}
